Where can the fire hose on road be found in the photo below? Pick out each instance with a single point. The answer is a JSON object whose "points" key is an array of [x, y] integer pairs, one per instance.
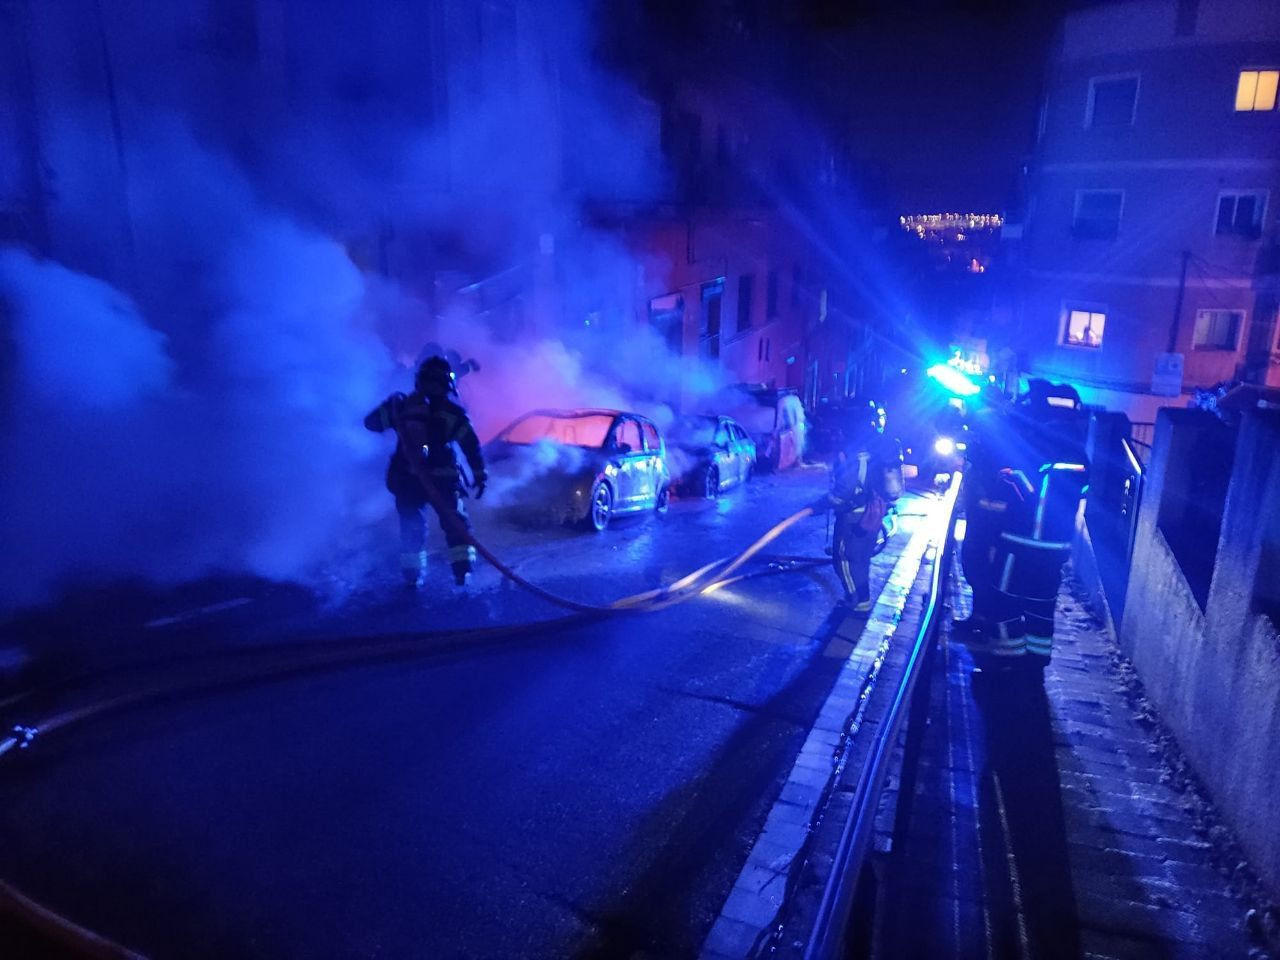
{"points": [[334, 654], [657, 598], [233, 673]]}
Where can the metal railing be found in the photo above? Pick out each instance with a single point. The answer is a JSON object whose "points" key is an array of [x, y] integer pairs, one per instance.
{"points": [[846, 910], [1141, 436], [1138, 455]]}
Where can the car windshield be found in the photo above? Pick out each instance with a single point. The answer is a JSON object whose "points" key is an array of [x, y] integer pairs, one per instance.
{"points": [[699, 431], [587, 430]]}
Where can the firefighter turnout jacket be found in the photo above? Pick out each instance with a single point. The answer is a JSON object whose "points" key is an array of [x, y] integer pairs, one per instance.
{"points": [[1025, 488], [434, 427]]}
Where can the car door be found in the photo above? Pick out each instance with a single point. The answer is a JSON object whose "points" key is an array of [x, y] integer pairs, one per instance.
{"points": [[725, 457], [736, 452], [746, 450], [628, 458], [655, 462]]}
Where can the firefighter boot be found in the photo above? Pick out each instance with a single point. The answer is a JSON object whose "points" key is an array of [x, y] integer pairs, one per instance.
{"points": [[413, 567]]}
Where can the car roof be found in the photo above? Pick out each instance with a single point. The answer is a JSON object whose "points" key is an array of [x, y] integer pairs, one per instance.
{"points": [[578, 412], [588, 412]]}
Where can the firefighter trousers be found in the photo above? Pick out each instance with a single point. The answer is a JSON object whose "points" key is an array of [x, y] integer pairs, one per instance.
{"points": [[1027, 576], [449, 502], [851, 550]]}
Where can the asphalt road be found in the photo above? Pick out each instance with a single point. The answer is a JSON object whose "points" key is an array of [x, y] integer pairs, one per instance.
{"points": [[586, 792]]}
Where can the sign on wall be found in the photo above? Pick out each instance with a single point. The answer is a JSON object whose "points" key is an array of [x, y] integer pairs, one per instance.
{"points": [[1166, 379]]}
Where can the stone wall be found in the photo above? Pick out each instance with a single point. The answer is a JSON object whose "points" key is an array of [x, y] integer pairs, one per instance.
{"points": [[1213, 671]]}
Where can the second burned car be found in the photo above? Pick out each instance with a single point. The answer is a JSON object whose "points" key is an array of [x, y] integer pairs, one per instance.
{"points": [[585, 466], [710, 454]]}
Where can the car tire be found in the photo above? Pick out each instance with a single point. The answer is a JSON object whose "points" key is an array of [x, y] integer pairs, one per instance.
{"points": [[600, 509], [662, 503], [711, 483]]}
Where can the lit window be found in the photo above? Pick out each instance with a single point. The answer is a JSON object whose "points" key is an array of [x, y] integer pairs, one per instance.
{"points": [[1218, 329], [1097, 215], [1084, 328], [1256, 90], [1240, 214], [1112, 101]]}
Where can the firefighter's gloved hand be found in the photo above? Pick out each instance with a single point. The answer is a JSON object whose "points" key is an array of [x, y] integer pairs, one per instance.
{"points": [[478, 489]]}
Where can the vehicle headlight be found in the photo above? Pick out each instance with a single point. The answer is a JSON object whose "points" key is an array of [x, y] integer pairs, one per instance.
{"points": [[944, 446]]}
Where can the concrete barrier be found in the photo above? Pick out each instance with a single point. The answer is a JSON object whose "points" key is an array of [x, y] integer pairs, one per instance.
{"points": [[1208, 652]]}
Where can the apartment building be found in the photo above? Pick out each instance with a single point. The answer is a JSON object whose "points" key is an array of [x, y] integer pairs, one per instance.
{"points": [[1148, 261]]}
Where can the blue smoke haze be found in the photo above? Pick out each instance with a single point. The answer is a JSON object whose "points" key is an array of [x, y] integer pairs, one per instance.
{"points": [[188, 367]]}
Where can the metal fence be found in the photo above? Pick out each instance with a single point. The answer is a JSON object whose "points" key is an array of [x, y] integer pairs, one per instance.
{"points": [[1121, 455], [1141, 436], [846, 912]]}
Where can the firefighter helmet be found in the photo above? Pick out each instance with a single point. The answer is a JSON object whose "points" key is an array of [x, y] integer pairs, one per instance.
{"points": [[435, 377]]}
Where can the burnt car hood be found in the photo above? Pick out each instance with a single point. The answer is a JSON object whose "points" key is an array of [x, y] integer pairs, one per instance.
{"points": [[534, 474]]}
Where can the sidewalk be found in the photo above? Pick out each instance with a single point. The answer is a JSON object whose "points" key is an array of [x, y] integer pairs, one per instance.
{"points": [[1144, 874]]}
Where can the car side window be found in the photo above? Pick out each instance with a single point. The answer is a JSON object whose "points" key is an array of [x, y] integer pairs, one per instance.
{"points": [[722, 435], [651, 440], [628, 432]]}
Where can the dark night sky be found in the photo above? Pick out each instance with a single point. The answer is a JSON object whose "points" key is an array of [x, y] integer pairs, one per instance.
{"points": [[939, 95], [944, 95]]}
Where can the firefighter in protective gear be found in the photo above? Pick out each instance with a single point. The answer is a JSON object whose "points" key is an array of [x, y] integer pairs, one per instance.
{"points": [[866, 478], [1027, 476], [430, 426]]}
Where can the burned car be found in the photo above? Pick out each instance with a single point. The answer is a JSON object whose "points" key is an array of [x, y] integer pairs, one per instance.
{"points": [[580, 466], [773, 418], [710, 454]]}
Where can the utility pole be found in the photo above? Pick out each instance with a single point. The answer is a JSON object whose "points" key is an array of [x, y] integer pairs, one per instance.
{"points": [[1177, 304]]}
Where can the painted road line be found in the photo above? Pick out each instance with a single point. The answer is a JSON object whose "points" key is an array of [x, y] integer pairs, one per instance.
{"points": [[198, 612]]}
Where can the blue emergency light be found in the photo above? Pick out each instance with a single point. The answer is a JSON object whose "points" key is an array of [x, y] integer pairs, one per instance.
{"points": [[952, 380]]}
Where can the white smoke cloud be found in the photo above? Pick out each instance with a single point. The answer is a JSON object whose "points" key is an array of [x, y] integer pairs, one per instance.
{"points": [[219, 431], [210, 419], [80, 342]]}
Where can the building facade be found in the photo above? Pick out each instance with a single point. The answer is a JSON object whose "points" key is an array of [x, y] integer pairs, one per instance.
{"points": [[1147, 259], [462, 152]]}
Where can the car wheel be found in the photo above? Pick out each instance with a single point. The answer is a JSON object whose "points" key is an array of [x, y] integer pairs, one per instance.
{"points": [[663, 503], [601, 506], [711, 483]]}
